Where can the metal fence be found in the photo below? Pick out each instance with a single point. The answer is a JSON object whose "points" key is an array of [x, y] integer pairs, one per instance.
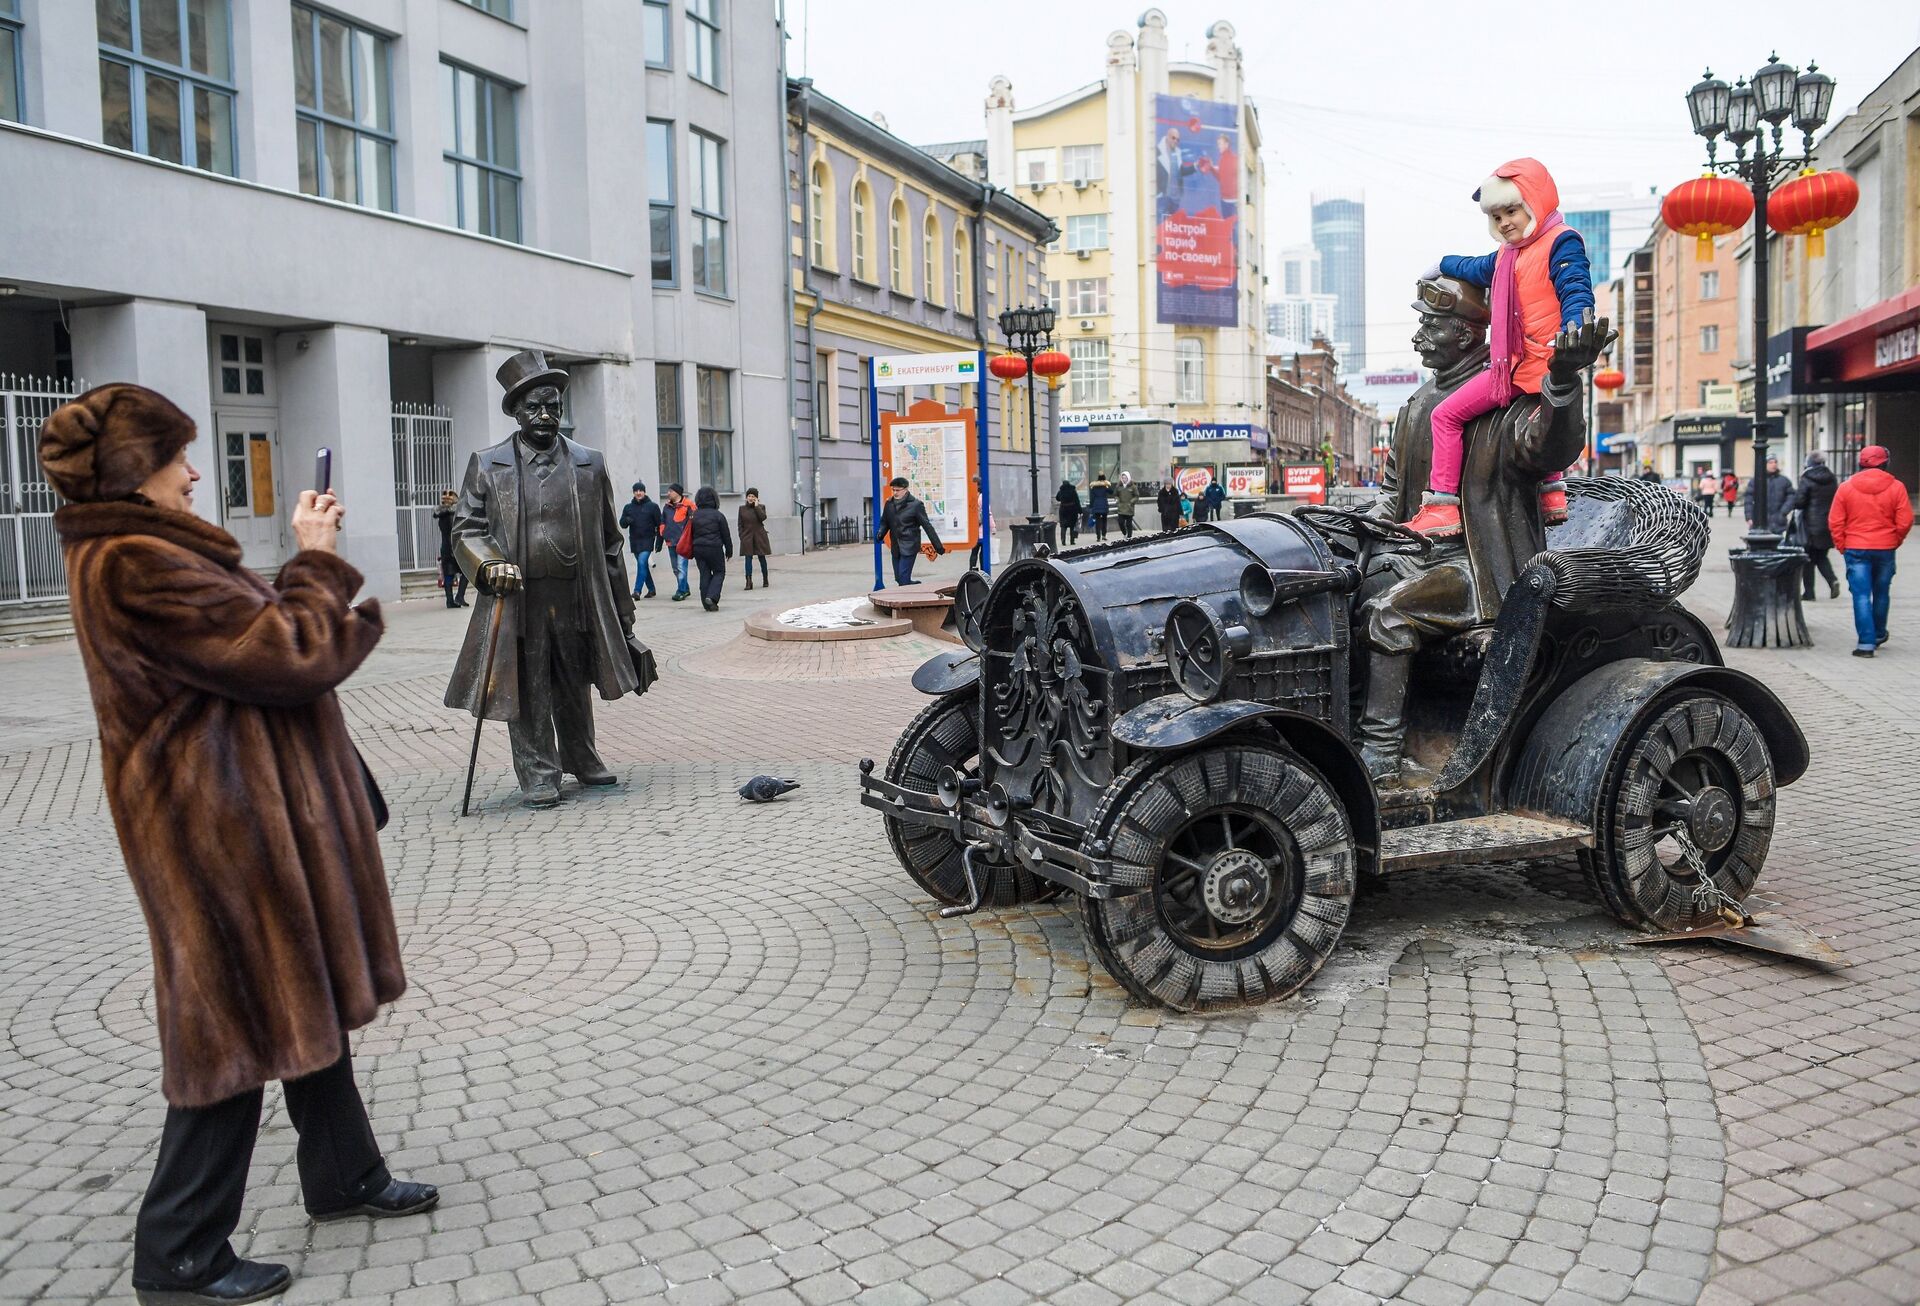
{"points": [[31, 567], [422, 468], [845, 530]]}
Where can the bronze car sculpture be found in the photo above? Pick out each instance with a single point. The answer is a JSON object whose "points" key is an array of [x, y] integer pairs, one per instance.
{"points": [[1167, 728]]}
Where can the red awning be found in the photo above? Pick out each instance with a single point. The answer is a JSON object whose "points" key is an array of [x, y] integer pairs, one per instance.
{"points": [[1882, 342]]}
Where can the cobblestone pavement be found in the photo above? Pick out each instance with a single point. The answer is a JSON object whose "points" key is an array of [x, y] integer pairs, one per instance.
{"points": [[660, 1045]]}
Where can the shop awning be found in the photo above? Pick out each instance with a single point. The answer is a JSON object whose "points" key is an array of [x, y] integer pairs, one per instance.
{"points": [[1877, 348]]}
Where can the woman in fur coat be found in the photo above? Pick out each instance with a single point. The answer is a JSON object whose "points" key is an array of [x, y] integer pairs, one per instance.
{"points": [[247, 822]]}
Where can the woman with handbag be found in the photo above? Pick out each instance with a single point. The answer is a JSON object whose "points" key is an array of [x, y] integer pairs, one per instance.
{"points": [[248, 824]]}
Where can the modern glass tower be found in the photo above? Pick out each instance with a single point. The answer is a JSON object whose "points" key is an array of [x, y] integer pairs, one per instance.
{"points": [[1340, 234]]}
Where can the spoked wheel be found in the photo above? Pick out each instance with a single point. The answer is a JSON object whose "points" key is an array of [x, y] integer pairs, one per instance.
{"points": [[1244, 859], [946, 734], [1685, 826]]}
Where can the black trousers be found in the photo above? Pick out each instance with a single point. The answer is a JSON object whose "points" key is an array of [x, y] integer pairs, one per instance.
{"points": [[1126, 526], [451, 575], [1100, 526], [1818, 559], [200, 1176], [1069, 526], [554, 731], [713, 574]]}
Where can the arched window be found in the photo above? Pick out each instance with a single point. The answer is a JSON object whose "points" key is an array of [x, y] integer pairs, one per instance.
{"points": [[820, 217], [1190, 370], [897, 246], [862, 231], [962, 270], [930, 261]]}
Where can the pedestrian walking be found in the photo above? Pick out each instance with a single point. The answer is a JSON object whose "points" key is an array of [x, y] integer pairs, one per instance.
{"points": [[902, 523], [1215, 498], [450, 572], [754, 541], [1814, 502], [712, 545], [673, 520], [1729, 493], [1068, 497], [1100, 505], [1706, 491], [1769, 495], [1169, 504], [248, 825], [1126, 503], [1648, 474], [986, 528], [1870, 517], [641, 518]]}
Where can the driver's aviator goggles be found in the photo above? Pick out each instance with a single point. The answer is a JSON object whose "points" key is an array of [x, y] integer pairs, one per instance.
{"points": [[1438, 297]]}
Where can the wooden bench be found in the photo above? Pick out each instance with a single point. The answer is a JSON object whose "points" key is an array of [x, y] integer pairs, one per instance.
{"points": [[928, 606]]}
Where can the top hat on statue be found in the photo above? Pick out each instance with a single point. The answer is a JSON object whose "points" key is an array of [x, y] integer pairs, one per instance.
{"points": [[522, 372]]}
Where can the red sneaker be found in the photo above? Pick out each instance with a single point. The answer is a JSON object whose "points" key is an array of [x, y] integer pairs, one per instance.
{"points": [[1440, 520], [1553, 503]]}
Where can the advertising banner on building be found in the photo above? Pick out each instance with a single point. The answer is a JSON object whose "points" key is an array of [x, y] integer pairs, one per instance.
{"points": [[1305, 481], [1196, 168], [1193, 481], [1246, 482]]}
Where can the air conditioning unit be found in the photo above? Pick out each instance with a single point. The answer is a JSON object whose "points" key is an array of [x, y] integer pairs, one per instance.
{"points": [[1079, 183], [1037, 187], [1083, 254], [1086, 324]]}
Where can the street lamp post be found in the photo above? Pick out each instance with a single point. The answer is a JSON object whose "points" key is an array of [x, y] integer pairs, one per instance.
{"points": [[1766, 579], [1029, 331]]}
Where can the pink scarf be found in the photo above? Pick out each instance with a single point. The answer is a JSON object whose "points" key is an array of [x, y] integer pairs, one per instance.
{"points": [[1508, 338]]}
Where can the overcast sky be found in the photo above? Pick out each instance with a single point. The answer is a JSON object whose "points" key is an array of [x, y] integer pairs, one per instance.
{"points": [[1413, 103]]}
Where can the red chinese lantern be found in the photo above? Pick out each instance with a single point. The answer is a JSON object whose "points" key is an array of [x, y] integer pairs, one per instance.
{"points": [[1053, 365], [1706, 207], [1809, 204], [1008, 367], [1610, 380]]}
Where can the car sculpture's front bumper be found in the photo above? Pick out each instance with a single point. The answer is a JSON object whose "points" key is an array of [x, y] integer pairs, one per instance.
{"points": [[1051, 847]]}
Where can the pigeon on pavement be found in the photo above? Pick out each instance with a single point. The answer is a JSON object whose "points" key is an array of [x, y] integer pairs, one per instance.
{"points": [[766, 788]]}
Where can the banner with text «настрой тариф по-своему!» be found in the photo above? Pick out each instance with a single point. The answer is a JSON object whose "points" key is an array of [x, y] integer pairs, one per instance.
{"points": [[1196, 171]]}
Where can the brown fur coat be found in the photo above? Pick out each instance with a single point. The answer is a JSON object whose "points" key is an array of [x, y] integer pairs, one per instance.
{"points": [[243, 814]]}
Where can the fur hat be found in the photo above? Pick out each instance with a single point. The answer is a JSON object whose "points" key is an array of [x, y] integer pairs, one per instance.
{"points": [[106, 443]]}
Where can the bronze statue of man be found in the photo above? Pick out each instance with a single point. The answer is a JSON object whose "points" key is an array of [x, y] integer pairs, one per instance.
{"points": [[535, 531], [1409, 602]]}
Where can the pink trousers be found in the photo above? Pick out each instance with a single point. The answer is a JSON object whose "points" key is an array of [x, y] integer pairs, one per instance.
{"points": [[1450, 419]]}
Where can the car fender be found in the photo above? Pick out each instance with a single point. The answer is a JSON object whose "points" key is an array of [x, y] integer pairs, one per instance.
{"points": [[1175, 723], [1571, 751], [945, 672]]}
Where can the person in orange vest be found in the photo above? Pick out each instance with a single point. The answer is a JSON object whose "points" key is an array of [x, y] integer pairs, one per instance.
{"points": [[1541, 285], [1870, 517]]}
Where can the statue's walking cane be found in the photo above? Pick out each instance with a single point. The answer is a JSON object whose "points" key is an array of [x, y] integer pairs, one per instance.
{"points": [[486, 696]]}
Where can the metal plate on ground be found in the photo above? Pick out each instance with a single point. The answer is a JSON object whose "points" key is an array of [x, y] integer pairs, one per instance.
{"points": [[1775, 934], [1502, 838]]}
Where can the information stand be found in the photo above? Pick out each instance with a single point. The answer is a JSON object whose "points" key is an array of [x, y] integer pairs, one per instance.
{"points": [[932, 441]]}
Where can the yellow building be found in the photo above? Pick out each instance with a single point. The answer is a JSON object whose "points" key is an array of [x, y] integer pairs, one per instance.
{"points": [[1153, 176]]}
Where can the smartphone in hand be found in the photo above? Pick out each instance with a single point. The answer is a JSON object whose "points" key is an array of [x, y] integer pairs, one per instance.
{"points": [[323, 471]]}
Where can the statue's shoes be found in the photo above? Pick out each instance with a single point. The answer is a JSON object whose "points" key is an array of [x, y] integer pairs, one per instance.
{"points": [[542, 795], [246, 1281], [598, 778]]}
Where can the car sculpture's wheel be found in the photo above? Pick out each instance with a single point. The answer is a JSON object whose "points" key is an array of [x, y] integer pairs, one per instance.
{"points": [[946, 734], [1686, 820], [1244, 860]]}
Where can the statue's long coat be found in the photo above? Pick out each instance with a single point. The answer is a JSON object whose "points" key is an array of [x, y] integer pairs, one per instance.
{"points": [[487, 527], [244, 815]]}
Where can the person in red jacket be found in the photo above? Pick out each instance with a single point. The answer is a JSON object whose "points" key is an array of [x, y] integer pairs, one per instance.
{"points": [[1871, 515]]}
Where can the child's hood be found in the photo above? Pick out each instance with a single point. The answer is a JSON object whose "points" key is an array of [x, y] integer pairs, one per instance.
{"points": [[1530, 180]]}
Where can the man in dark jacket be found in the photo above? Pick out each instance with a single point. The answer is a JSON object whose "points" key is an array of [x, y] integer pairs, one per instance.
{"points": [[673, 520], [903, 521], [1168, 502], [641, 520], [450, 573], [1215, 498], [1768, 498], [1813, 500]]}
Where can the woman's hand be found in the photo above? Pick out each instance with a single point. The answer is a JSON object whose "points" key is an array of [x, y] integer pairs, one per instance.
{"points": [[316, 521]]}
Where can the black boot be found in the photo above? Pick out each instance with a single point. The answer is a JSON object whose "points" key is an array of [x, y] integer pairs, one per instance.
{"points": [[1383, 721], [246, 1281]]}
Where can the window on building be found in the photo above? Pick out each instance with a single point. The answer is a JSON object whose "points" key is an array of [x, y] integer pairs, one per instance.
{"points": [[897, 246], [1707, 388], [707, 253], [243, 365], [1086, 296], [1088, 373], [498, 8], [962, 269], [657, 25], [1034, 167], [661, 201], [864, 412], [10, 63], [1709, 285], [930, 260], [1709, 339], [343, 109], [862, 230], [1190, 370], [826, 415], [1087, 231], [1052, 291], [166, 80], [670, 425], [820, 214], [715, 408], [1083, 163], [703, 41], [482, 152]]}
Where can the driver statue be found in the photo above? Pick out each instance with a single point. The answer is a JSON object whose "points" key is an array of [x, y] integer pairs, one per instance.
{"points": [[1411, 600]]}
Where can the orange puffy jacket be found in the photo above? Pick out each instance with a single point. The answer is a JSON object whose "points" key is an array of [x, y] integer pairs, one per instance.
{"points": [[1870, 511]]}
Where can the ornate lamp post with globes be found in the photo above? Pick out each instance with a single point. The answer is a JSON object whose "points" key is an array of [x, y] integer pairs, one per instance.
{"points": [[1766, 604], [1029, 333]]}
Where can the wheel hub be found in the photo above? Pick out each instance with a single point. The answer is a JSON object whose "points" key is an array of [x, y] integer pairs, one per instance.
{"points": [[1712, 819], [1236, 887]]}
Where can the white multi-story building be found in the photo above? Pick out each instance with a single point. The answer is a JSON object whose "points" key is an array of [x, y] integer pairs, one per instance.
{"points": [[1298, 320], [328, 224]]}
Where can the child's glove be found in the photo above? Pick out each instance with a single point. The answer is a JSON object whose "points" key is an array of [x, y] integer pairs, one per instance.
{"points": [[1431, 272]]}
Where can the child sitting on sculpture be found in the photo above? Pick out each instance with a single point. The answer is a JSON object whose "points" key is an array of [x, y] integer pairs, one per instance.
{"points": [[1541, 284]]}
